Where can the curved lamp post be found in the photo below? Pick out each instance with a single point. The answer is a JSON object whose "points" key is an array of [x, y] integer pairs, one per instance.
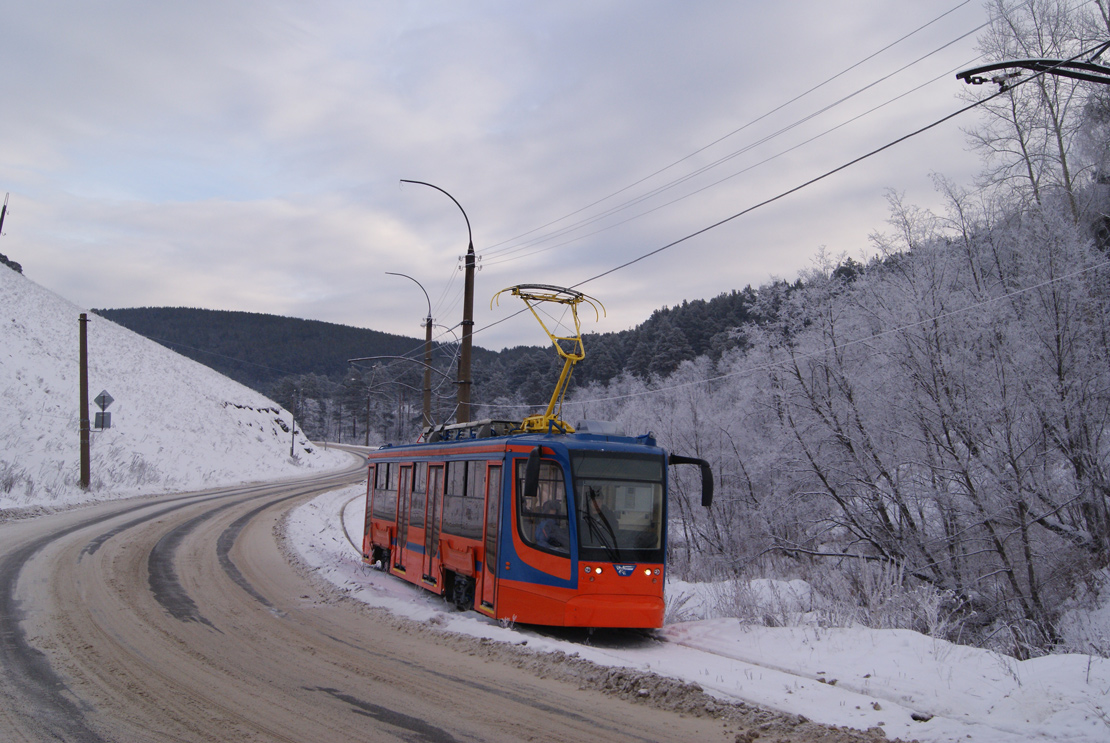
{"points": [[427, 351], [464, 381]]}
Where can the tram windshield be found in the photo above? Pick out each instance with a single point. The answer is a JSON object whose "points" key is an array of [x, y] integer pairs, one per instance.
{"points": [[619, 505]]}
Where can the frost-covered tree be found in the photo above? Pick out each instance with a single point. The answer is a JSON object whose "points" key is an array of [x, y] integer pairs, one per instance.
{"points": [[1028, 138], [938, 420]]}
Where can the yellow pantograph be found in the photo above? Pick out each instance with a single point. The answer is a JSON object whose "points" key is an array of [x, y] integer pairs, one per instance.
{"points": [[570, 347]]}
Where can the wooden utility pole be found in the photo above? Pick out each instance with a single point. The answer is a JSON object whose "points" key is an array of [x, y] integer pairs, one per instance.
{"points": [[83, 382], [293, 426]]}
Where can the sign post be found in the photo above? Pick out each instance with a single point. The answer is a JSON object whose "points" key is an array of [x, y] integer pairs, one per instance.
{"points": [[103, 420]]}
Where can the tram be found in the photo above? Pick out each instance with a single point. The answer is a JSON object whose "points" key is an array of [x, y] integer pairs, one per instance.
{"points": [[531, 521], [564, 529]]}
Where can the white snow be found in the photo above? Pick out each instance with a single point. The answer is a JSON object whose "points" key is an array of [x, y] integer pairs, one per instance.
{"points": [[177, 425], [855, 677]]}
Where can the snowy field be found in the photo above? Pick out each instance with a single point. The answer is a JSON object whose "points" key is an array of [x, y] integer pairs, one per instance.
{"points": [[910, 685]]}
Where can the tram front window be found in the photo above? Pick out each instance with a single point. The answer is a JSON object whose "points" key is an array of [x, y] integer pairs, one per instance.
{"points": [[619, 503]]}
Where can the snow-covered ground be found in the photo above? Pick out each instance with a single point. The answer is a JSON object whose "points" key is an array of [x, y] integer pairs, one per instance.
{"points": [[176, 424], [911, 685]]}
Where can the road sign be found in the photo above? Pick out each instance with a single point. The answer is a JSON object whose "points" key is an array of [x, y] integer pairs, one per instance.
{"points": [[104, 400], [103, 420]]}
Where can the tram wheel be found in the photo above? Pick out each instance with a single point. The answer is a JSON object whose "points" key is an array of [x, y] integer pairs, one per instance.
{"points": [[462, 592], [381, 558]]}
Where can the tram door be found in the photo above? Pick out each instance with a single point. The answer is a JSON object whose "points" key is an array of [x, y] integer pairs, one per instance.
{"points": [[404, 493], [493, 513], [368, 523], [432, 518]]}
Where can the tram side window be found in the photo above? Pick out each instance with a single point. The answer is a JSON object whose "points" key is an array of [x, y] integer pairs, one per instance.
{"points": [[462, 505], [419, 495], [543, 519], [474, 510], [369, 514], [385, 491]]}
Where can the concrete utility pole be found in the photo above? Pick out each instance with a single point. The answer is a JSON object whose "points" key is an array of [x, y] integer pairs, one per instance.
{"points": [[467, 329], [464, 381], [83, 360]]}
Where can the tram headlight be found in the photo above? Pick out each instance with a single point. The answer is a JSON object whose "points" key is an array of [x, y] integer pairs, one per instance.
{"points": [[589, 569], [657, 571], [647, 571]]}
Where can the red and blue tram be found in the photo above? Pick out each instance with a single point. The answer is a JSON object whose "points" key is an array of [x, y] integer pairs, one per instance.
{"points": [[551, 529]]}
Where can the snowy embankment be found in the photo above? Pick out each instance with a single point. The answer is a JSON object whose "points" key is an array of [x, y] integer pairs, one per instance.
{"points": [[910, 685], [176, 424]]}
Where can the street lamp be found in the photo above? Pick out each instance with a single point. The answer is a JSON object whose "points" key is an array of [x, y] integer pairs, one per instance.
{"points": [[464, 381], [427, 351]]}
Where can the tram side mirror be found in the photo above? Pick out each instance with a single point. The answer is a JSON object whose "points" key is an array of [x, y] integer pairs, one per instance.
{"points": [[706, 476], [532, 474]]}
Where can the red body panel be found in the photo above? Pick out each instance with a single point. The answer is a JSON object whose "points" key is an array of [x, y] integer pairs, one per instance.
{"points": [[608, 600]]}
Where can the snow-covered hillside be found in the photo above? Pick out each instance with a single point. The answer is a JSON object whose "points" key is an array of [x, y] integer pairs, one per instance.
{"points": [[176, 425]]}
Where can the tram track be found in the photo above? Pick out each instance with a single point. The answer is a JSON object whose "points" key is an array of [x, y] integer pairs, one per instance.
{"points": [[178, 618]]}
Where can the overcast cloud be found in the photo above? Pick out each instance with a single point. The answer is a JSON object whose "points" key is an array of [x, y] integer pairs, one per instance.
{"points": [[247, 155]]}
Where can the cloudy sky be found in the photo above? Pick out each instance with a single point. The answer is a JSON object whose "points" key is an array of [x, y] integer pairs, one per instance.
{"points": [[247, 155]]}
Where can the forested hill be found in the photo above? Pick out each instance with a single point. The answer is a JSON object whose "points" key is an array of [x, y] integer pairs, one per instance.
{"points": [[256, 349], [260, 350], [672, 335]]}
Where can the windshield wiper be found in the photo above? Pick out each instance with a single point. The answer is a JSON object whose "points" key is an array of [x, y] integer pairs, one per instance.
{"points": [[597, 521]]}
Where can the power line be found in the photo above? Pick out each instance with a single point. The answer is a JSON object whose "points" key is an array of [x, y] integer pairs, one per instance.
{"points": [[806, 184], [751, 167], [788, 192], [835, 170], [519, 249], [735, 131], [1002, 90], [724, 159]]}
